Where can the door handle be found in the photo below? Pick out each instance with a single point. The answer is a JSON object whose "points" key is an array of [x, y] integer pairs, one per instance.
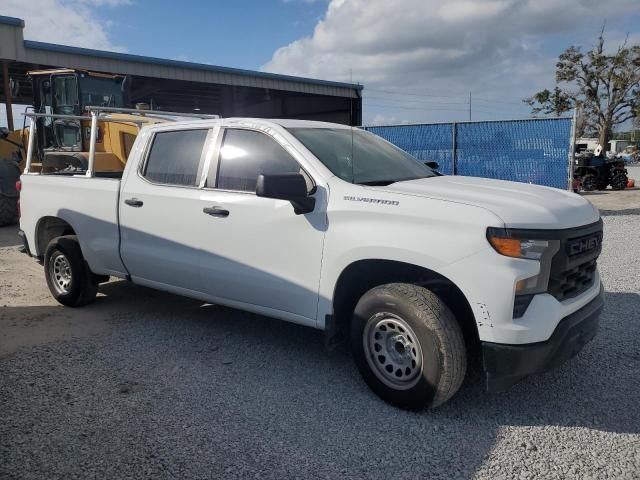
{"points": [[134, 202], [216, 211]]}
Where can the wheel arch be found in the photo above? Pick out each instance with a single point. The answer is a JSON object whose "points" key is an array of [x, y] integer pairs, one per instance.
{"points": [[362, 275], [48, 228]]}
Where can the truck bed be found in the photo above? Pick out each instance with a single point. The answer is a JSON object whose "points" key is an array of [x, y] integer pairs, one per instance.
{"points": [[88, 205]]}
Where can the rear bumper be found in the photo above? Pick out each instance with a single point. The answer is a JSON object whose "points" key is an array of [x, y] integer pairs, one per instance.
{"points": [[506, 365]]}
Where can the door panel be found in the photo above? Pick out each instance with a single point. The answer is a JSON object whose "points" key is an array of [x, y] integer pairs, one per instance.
{"points": [[259, 251], [160, 237], [161, 210], [262, 253]]}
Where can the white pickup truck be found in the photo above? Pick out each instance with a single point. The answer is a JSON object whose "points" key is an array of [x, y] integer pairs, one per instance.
{"points": [[334, 228]]}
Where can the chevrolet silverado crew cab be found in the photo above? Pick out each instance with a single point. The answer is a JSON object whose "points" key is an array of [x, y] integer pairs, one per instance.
{"points": [[334, 228]]}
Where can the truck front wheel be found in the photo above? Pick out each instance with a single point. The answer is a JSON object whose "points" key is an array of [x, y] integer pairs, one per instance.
{"points": [[68, 276], [408, 346]]}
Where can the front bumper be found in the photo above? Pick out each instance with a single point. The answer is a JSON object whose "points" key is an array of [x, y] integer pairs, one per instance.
{"points": [[506, 364]]}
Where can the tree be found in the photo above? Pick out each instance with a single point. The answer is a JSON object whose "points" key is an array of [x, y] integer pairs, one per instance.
{"points": [[605, 87]]}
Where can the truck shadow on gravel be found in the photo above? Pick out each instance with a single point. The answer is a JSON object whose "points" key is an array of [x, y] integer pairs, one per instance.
{"points": [[175, 387]]}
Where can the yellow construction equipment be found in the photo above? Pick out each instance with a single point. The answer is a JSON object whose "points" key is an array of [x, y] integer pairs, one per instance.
{"points": [[62, 141]]}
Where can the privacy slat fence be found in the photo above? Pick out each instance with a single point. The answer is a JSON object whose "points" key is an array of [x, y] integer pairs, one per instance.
{"points": [[528, 151]]}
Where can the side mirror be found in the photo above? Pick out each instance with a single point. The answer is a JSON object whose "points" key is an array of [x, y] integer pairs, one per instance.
{"points": [[432, 165], [286, 186]]}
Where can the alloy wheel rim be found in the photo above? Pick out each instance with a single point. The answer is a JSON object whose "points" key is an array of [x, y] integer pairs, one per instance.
{"points": [[393, 351], [60, 273]]}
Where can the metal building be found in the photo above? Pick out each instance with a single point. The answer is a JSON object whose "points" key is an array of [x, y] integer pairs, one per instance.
{"points": [[176, 85]]}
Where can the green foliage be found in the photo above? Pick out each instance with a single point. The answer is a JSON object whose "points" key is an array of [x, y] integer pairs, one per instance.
{"points": [[604, 86], [550, 102]]}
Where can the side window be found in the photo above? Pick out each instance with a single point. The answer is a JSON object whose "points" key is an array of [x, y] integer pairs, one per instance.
{"points": [[245, 154], [127, 140], [174, 157]]}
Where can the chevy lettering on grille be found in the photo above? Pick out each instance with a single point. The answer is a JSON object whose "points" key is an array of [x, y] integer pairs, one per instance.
{"points": [[584, 245]]}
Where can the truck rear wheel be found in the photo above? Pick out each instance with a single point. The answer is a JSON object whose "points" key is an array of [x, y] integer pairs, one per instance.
{"points": [[408, 346], [8, 210], [68, 276]]}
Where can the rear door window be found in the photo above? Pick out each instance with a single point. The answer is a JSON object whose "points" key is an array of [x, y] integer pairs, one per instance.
{"points": [[174, 158]]}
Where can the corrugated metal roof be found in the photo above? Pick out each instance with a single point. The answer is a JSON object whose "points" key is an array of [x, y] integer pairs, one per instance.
{"points": [[127, 57], [42, 53]]}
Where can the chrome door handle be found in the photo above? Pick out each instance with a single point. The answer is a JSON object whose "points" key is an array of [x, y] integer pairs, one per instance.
{"points": [[216, 211]]}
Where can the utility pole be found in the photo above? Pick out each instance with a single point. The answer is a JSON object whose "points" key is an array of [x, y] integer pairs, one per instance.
{"points": [[469, 106]]}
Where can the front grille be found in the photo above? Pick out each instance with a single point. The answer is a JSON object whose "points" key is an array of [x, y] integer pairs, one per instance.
{"points": [[573, 282], [574, 265]]}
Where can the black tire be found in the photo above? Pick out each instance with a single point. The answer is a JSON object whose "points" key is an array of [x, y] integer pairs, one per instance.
{"points": [[602, 183], [63, 260], [589, 183], [8, 210], [619, 181], [439, 374]]}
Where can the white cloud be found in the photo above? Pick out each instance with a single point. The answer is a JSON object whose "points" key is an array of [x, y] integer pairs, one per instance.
{"points": [[379, 119], [67, 22], [498, 49], [108, 3]]}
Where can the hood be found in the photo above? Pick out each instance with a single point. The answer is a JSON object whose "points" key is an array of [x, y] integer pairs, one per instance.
{"points": [[519, 205]]}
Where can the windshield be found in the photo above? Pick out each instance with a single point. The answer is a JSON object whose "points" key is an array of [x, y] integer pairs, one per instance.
{"points": [[357, 156]]}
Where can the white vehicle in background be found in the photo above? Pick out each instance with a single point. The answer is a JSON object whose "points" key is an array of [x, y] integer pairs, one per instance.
{"points": [[334, 228]]}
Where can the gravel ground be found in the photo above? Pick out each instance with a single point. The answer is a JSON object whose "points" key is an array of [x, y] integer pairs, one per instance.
{"points": [[144, 384]]}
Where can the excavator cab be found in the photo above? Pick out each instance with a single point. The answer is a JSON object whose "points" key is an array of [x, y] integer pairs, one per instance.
{"points": [[68, 92], [62, 144]]}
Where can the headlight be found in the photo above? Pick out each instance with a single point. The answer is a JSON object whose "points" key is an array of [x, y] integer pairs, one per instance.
{"points": [[516, 244], [518, 248]]}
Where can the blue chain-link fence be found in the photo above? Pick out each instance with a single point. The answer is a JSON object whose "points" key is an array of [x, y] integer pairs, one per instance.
{"points": [[529, 151]]}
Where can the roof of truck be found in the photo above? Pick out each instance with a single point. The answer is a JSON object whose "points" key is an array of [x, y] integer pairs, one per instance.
{"points": [[288, 123], [244, 121]]}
